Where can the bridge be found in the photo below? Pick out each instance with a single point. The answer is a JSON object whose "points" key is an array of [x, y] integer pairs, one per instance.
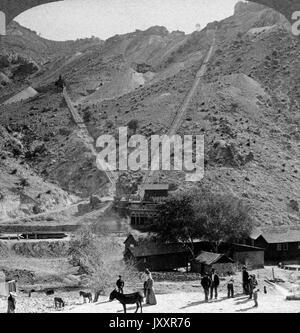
{"points": [[10, 9]]}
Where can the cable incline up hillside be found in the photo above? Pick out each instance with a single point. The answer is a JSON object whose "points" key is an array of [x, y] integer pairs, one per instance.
{"points": [[182, 110], [86, 137]]}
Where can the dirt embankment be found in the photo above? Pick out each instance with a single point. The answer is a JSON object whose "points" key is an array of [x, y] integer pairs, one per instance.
{"points": [[37, 249]]}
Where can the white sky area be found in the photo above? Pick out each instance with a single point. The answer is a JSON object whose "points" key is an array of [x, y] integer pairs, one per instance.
{"points": [[72, 19]]}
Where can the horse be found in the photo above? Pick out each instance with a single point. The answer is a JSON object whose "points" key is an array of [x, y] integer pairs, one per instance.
{"points": [[58, 303], [86, 296], [134, 298]]}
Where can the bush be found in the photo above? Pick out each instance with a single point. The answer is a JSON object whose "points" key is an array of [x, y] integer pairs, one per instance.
{"points": [[96, 257], [24, 182], [133, 125], [3, 62]]}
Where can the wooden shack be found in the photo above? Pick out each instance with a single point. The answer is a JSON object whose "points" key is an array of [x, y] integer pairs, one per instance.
{"points": [[206, 261]]}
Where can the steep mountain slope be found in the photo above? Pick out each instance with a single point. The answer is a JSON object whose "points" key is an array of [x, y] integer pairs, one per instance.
{"points": [[246, 106], [24, 54]]}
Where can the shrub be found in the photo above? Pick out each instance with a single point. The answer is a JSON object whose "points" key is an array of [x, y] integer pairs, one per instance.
{"points": [[133, 125], [96, 257]]}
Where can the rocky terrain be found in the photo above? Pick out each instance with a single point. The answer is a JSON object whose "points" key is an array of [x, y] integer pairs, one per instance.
{"points": [[247, 106]]}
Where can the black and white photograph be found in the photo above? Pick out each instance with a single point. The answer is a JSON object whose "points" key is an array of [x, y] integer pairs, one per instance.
{"points": [[149, 159]]}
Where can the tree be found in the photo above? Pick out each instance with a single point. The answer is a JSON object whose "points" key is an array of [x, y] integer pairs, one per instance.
{"points": [[176, 221], [133, 125], [98, 257], [224, 218], [201, 214]]}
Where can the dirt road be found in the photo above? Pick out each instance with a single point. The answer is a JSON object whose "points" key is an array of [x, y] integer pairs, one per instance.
{"points": [[194, 303]]}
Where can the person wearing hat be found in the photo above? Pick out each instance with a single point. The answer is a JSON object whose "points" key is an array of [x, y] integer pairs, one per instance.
{"points": [[120, 284], [11, 303], [215, 281], [245, 278]]}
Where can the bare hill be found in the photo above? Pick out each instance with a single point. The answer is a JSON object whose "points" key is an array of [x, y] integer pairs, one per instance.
{"points": [[246, 105]]}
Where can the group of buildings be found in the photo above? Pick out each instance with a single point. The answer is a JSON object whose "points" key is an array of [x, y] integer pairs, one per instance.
{"points": [[263, 246]]}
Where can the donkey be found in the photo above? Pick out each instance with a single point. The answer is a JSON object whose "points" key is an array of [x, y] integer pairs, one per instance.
{"points": [[58, 303], [134, 298], [86, 296]]}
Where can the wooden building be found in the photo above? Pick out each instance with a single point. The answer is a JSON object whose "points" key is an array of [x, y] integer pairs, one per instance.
{"points": [[279, 245], [158, 257], [241, 254], [164, 257], [155, 192], [206, 261], [141, 214]]}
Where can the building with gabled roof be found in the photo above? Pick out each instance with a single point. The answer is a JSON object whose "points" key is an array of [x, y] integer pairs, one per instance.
{"points": [[279, 244], [206, 261]]}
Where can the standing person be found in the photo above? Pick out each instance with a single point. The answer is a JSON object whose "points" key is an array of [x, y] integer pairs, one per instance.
{"points": [[150, 296], [215, 281], [144, 278], [11, 303], [255, 296], [245, 277], [206, 283], [230, 288], [252, 284], [120, 284]]}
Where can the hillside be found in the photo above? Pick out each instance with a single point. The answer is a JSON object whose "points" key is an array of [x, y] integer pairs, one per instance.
{"points": [[246, 105]]}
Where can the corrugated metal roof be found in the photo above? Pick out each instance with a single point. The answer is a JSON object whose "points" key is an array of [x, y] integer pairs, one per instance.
{"points": [[209, 258]]}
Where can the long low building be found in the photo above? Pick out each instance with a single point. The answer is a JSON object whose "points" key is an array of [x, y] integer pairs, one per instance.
{"points": [[169, 256]]}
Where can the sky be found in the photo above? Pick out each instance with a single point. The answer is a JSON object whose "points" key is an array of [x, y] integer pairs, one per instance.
{"points": [[72, 19]]}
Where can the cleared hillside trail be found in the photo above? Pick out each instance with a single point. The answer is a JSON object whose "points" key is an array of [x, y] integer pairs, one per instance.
{"points": [[89, 141], [44, 214], [176, 123]]}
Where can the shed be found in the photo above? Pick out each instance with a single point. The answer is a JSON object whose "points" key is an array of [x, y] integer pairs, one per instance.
{"points": [[206, 261]]}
